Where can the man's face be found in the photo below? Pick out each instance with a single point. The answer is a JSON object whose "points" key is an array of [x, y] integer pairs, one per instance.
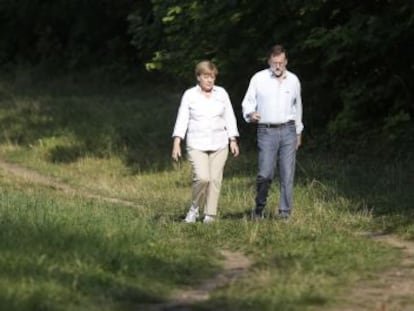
{"points": [[278, 64], [206, 80]]}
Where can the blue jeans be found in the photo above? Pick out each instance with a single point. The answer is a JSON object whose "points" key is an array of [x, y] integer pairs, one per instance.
{"points": [[276, 145]]}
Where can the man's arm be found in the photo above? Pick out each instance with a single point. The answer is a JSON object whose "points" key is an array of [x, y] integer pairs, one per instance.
{"points": [[249, 104]]}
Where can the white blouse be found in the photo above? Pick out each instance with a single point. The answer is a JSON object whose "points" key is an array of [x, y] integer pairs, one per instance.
{"points": [[207, 122]]}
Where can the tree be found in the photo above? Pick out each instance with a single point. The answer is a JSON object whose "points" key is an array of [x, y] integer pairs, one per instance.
{"points": [[354, 57]]}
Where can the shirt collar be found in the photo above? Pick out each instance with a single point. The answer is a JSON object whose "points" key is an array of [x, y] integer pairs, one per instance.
{"points": [[272, 75], [199, 88]]}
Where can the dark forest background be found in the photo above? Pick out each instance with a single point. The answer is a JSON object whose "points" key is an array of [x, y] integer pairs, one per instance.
{"points": [[355, 58]]}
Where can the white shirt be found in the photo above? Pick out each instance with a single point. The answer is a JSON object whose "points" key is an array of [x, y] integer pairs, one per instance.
{"points": [[208, 122], [277, 101]]}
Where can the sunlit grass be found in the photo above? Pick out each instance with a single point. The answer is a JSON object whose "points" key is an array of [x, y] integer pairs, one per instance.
{"points": [[143, 249], [68, 251]]}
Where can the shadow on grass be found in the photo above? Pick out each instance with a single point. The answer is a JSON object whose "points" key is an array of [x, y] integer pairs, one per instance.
{"points": [[246, 214], [355, 183], [65, 154], [72, 265], [370, 185], [77, 119], [73, 120]]}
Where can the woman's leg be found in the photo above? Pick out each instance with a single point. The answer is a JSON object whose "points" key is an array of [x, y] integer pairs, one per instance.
{"points": [[217, 161]]}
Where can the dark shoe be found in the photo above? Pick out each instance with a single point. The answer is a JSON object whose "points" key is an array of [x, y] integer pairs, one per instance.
{"points": [[284, 215], [257, 215]]}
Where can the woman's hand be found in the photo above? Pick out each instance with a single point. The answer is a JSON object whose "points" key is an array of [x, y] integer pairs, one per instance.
{"points": [[234, 148], [176, 150]]}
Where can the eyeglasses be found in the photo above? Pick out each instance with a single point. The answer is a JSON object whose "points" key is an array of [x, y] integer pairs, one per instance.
{"points": [[277, 64]]}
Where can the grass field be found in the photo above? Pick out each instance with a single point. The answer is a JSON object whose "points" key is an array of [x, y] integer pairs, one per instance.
{"points": [[65, 251]]}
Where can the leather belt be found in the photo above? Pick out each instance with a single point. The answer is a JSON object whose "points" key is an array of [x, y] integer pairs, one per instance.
{"points": [[276, 125]]}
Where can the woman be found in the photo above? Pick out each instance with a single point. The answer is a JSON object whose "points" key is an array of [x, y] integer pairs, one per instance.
{"points": [[207, 119]]}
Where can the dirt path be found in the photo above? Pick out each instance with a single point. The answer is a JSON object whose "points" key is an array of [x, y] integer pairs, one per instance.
{"points": [[234, 266], [393, 290]]}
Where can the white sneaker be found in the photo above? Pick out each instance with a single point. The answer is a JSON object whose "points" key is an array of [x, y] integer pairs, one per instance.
{"points": [[192, 215], [208, 219]]}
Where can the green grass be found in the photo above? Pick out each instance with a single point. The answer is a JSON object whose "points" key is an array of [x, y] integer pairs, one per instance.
{"points": [[89, 255], [67, 252]]}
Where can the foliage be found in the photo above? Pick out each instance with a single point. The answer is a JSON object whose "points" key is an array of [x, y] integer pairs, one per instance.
{"points": [[76, 116], [72, 34], [360, 46], [353, 57], [82, 249]]}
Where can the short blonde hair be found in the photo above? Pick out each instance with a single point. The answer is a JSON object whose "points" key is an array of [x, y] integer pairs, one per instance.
{"points": [[206, 66]]}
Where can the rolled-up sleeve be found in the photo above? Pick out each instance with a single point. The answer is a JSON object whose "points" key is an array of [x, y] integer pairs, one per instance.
{"points": [[299, 109], [249, 103]]}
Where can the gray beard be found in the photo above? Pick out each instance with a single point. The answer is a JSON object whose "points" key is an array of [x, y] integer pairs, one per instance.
{"points": [[278, 74]]}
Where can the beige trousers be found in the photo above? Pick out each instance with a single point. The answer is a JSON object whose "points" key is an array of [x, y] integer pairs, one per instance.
{"points": [[207, 169]]}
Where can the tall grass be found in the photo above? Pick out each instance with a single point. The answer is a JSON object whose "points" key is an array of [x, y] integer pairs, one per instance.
{"points": [[68, 252]]}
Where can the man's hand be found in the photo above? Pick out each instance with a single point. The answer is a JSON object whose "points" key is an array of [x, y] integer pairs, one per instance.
{"points": [[298, 141], [254, 117]]}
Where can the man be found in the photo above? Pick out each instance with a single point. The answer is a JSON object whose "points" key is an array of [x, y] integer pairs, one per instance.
{"points": [[273, 102]]}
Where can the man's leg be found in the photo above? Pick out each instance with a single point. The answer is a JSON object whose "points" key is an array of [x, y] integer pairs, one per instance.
{"points": [[287, 159], [267, 144]]}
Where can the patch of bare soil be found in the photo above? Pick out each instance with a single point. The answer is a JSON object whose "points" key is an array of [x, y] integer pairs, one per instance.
{"points": [[234, 266], [393, 290]]}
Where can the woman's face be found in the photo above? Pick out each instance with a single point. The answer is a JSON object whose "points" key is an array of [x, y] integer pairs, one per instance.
{"points": [[206, 81]]}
